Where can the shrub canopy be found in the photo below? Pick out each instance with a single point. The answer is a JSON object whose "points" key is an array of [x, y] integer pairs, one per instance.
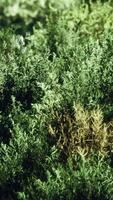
{"points": [[56, 99]]}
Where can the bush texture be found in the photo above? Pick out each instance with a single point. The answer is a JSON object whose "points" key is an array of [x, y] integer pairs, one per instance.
{"points": [[56, 100]]}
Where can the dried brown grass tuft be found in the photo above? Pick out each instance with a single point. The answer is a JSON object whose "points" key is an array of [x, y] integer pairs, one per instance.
{"points": [[81, 132]]}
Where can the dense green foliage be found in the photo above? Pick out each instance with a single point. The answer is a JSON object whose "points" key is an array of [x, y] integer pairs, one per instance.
{"points": [[56, 100]]}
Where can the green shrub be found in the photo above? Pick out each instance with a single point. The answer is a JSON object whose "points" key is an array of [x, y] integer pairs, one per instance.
{"points": [[56, 54]]}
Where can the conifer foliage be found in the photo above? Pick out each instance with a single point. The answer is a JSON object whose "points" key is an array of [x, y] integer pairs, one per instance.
{"points": [[56, 100]]}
